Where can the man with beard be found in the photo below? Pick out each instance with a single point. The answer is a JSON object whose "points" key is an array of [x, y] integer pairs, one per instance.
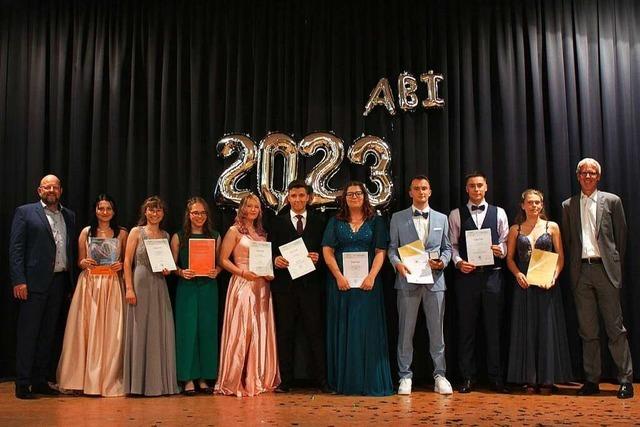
{"points": [[41, 262]]}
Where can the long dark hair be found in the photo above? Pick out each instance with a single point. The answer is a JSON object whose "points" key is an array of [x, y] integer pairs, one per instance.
{"points": [[93, 219], [207, 228], [343, 209], [153, 202], [241, 215], [521, 216]]}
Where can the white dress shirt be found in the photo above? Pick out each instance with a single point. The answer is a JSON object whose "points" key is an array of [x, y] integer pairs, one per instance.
{"points": [[294, 220], [478, 218], [588, 208], [421, 223]]}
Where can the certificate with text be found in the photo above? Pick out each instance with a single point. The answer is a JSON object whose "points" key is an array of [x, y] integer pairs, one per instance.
{"points": [[202, 256], [415, 257], [479, 243], [296, 253], [160, 256], [355, 267], [260, 261]]}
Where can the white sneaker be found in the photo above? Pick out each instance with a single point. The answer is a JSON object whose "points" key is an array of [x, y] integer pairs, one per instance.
{"points": [[405, 386], [442, 386]]}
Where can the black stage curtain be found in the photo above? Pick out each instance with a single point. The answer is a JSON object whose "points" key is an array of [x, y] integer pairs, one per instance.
{"points": [[131, 98]]}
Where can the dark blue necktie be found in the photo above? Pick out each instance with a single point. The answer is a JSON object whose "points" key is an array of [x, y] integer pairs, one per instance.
{"points": [[477, 208], [425, 215]]}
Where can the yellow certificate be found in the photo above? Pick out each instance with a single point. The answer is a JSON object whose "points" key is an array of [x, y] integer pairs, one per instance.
{"points": [[542, 267]]}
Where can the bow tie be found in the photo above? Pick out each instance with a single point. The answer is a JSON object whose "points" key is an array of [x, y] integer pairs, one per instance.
{"points": [[477, 208], [424, 215]]}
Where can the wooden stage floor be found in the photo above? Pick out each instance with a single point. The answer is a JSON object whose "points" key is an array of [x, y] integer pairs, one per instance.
{"points": [[305, 408]]}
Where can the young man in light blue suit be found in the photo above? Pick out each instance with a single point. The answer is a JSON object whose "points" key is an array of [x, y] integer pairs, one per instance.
{"points": [[420, 222]]}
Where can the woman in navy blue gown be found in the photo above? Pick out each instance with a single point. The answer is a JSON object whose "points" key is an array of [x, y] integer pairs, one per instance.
{"points": [[538, 350], [357, 350]]}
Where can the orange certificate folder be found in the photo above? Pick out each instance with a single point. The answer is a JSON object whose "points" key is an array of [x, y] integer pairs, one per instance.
{"points": [[202, 256]]}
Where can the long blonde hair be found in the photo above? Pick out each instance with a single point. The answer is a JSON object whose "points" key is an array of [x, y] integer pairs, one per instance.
{"points": [[242, 215]]}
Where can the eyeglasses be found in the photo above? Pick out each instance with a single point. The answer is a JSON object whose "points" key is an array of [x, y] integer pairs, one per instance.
{"points": [[588, 174], [198, 213], [50, 187], [355, 194], [155, 210]]}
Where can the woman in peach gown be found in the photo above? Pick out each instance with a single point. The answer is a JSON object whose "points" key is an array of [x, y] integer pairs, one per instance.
{"points": [[248, 356], [91, 360]]}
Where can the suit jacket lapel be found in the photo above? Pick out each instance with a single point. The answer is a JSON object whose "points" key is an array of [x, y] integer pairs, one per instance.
{"points": [[411, 226], [599, 210], [43, 217]]}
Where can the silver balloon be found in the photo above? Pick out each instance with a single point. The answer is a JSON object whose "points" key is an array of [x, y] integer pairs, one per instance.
{"points": [[332, 148], [382, 88], [227, 189], [375, 146], [432, 80], [271, 146], [407, 87]]}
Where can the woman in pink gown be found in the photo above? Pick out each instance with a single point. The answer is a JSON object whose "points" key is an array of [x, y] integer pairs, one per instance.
{"points": [[91, 360], [248, 356]]}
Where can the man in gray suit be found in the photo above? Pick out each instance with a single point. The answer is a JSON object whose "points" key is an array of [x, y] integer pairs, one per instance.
{"points": [[420, 222], [595, 232]]}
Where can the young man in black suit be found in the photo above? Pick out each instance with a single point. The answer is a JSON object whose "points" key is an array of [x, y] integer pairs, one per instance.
{"points": [[300, 300]]}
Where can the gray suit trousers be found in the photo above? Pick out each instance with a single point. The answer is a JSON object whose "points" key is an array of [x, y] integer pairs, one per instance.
{"points": [[433, 305], [594, 292]]}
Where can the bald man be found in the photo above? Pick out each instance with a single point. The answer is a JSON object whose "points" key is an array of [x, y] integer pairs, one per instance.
{"points": [[41, 256]]}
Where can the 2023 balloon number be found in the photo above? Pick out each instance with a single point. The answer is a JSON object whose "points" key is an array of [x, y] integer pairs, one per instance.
{"points": [[228, 190]]}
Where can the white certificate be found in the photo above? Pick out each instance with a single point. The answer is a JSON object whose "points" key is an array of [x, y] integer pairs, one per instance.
{"points": [[416, 259], [296, 253], [160, 256], [260, 261], [355, 267], [479, 243]]}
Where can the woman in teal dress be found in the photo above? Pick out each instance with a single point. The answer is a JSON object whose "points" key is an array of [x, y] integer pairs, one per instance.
{"points": [[357, 349], [196, 304]]}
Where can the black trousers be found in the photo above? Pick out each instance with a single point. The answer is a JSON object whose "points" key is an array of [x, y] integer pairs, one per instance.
{"points": [[305, 306], [478, 292], [37, 323]]}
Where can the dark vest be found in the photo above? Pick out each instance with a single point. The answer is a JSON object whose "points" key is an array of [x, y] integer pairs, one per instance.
{"points": [[467, 223]]}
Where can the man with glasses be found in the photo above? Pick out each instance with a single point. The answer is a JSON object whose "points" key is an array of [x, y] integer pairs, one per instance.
{"points": [[420, 222], [299, 301], [595, 234], [42, 256]]}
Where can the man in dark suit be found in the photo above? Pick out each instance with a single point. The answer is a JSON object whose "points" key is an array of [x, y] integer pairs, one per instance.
{"points": [[300, 300], [479, 287], [595, 233], [41, 262]]}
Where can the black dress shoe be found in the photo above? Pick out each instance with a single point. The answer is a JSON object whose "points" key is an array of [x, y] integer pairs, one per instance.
{"points": [[283, 388], [23, 392], [588, 389], [466, 386], [44, 389], [499, 387], [625, 391], [324, 387]]}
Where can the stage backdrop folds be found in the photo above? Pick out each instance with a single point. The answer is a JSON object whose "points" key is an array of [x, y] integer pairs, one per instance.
{"points": [[131, 98]]}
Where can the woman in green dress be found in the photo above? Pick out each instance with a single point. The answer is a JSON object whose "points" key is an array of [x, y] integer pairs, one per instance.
{"points": [[196, 303]]}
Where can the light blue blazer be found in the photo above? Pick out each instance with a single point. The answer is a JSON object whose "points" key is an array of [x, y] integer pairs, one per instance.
{"points": [[403, 231]]}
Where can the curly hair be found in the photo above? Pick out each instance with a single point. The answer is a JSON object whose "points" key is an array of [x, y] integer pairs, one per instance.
{"points": [[241, 216], [343, 209]]}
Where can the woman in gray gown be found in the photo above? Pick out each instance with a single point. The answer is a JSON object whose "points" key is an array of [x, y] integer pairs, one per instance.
{"points": [[149, 349]]}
